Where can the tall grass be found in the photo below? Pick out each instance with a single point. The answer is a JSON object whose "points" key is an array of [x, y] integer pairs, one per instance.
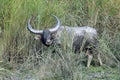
{"points": [[19, 51]]}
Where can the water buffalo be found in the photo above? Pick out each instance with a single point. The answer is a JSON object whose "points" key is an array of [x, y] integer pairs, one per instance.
{"points": [[77, 38]]}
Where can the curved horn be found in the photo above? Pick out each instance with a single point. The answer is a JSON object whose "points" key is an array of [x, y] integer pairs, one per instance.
{"points": [[57, 25], [33, 30]]}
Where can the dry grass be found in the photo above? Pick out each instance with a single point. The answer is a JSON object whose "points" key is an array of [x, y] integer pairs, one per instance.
{"points": [[22, 57]]}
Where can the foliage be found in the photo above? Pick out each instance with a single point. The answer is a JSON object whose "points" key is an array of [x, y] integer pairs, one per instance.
{"points": [[20, 52]]}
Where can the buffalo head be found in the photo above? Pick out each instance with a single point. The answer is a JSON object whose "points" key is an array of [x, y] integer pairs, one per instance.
{"points": [[46, 35]]}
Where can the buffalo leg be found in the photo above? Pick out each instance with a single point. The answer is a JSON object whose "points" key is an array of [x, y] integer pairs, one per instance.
{"points": [[100, 61], [90, 56]]}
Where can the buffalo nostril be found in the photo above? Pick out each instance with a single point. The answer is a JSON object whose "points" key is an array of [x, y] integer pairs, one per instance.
{"points": [[48, 42]]}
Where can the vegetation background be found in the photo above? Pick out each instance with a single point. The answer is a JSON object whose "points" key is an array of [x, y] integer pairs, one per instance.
{"points": [[23, 58]]}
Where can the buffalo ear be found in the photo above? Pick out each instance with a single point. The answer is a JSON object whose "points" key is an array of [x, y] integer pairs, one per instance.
{"points": [[53, 35], [37, 37]]}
